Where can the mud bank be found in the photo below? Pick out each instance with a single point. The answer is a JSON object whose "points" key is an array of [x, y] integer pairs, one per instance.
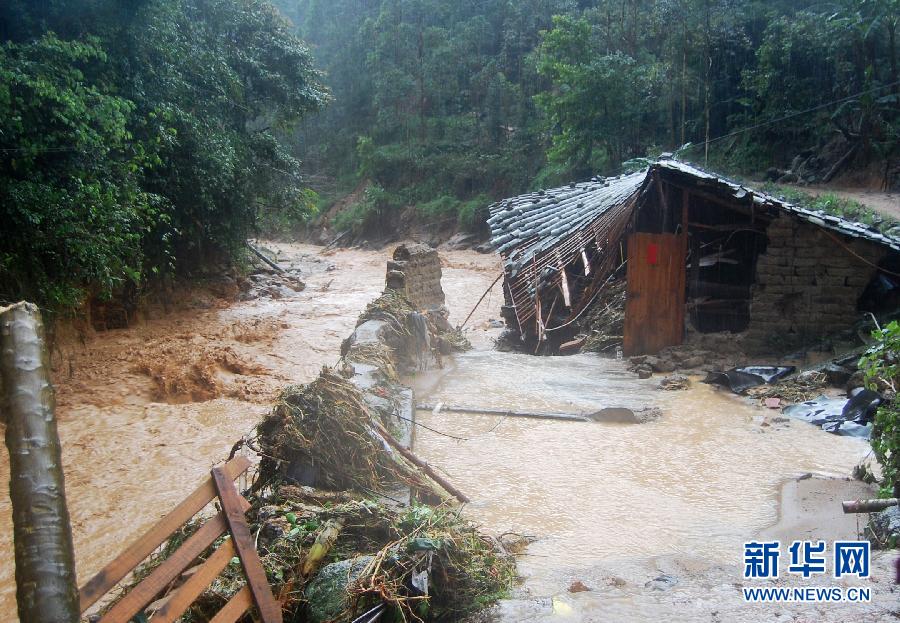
{"points": [[144, 412]]}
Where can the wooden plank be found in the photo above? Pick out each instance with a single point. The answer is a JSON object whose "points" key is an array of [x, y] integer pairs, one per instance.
{"points": [[159, 578], [655, 292], [235, 607], [182, 599], [113, 573], [269, 609]]}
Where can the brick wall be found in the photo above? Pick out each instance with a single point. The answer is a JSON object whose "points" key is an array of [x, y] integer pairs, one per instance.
{"points": [[807, 284], [416, 271]]}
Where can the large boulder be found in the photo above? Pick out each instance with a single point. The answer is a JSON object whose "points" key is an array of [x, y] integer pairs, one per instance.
{"points": [[327, 594]]}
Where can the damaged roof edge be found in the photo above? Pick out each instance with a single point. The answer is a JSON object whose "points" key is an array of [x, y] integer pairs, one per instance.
{"points": [[529, 225], [526, 226], [819, 218]]}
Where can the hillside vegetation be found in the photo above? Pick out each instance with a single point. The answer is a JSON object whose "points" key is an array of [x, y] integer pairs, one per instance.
{"points": [[440, 103], [145, 140], [141, 140]]}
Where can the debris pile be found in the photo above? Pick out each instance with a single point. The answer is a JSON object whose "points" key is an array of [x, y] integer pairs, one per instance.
{"points": [[394, 309], [675, 382], [350, 546], [332, 556], [605, 323], [323, 432], [805, 386]]}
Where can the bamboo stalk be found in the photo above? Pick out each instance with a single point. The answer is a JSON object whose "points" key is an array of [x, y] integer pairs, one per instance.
{"points": [[425, 467], [539, 415], [320, 548], [46, 587]]}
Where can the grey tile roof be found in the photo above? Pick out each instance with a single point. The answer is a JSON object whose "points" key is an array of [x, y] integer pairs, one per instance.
{"points": [[528, 225]]}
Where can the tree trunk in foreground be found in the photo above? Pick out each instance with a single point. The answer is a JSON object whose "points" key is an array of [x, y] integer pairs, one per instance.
{"points": [[46, 590]]}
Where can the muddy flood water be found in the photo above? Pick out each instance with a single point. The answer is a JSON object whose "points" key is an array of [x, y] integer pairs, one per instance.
{"points": [[650, 517], [618, 506]]}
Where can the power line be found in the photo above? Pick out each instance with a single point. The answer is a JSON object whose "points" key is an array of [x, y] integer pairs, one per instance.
{"points": [[796, 114]]}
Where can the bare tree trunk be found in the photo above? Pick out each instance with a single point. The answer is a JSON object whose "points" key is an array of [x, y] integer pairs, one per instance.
{"points": [[706, 108], [707, 86], [46, 588], [683, 83], [892, 54]]}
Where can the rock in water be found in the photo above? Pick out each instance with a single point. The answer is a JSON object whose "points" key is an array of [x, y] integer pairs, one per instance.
{"points": [[675, 382]]}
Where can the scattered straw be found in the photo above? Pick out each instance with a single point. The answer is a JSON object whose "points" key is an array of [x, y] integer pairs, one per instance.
{"points": [[797, 389], [605, 322]]}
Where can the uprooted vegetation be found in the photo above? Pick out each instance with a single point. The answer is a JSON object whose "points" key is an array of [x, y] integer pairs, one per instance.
{"points": [[327, 427], [394, 308], [377, 556]]}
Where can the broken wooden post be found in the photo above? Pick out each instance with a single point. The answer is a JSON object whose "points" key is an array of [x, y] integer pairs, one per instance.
{"points": [[46, 589], [868, 506]]}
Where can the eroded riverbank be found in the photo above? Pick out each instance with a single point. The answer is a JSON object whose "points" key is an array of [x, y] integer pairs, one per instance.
{"points": [[144, 412]]}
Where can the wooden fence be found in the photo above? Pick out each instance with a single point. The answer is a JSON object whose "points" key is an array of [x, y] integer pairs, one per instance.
{"points": [[175, 601]]}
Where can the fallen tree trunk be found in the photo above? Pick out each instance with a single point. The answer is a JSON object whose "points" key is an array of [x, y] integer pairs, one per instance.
{"points": [[425, 467], [46, 588], [843, 160], [262, 256], [868, 506]]}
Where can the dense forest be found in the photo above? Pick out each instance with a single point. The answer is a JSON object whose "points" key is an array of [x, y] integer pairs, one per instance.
{"points": [[146, 139], [444, 105], [140, 139]]}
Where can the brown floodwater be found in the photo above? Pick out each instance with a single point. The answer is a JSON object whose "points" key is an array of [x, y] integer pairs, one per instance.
{"points": [[145, 412], [615, 505]]}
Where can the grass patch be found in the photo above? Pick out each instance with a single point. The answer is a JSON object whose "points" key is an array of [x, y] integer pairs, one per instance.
{"points": [[830, 203]]}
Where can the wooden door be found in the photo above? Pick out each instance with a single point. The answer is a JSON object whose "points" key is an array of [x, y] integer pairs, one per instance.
{"points": [[654, 304]]}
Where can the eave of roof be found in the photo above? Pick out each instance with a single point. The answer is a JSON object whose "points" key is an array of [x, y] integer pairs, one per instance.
{"points": [[529, 225], [723, 185]]}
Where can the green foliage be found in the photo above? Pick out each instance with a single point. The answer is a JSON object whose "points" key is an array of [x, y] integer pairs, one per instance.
{"points": [[369, 214], [596, 98], [73, 210], [830, 204], [291, 214], [881, 366], [143, 141], [446, 208], [563, 90]]}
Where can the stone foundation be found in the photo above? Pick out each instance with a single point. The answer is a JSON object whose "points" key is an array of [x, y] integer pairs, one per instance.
{"points": [[807, 285]]}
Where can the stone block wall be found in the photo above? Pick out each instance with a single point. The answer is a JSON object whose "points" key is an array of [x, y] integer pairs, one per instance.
{"points": [[807, 284], [415, 270]]}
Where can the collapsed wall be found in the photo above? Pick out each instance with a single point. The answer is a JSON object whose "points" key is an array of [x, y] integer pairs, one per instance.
{"points": [[416, 272], [807, 284]]}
